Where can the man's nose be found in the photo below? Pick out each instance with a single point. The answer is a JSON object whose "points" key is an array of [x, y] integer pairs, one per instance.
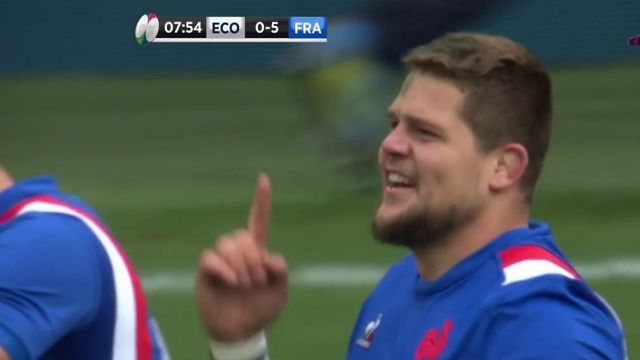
{"points": [[396, 142]]}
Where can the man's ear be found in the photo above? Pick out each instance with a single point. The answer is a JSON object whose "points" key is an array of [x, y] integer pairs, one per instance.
{"points": [[511, 161]]}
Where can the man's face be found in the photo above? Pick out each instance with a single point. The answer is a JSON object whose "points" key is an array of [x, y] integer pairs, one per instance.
{"points": [[434, 176]]}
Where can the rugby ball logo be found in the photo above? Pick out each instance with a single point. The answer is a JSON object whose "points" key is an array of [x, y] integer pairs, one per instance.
{"points": [[147, 28]]}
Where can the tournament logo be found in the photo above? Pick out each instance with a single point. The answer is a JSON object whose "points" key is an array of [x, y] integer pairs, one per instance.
{"points": [[366, 339], [147, 28]]}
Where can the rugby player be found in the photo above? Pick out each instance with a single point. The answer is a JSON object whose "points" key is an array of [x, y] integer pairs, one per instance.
{"points": [[67, 289], [468, 134]]}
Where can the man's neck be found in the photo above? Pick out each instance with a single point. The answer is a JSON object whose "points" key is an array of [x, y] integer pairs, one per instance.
{"points": [[433, 262], [5, 179]]}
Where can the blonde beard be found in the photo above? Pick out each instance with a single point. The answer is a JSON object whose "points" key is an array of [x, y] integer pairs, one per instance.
{"points": [[419, 228]]}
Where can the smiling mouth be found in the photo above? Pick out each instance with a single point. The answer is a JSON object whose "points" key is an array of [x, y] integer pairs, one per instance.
{"points": [[395, 180]]}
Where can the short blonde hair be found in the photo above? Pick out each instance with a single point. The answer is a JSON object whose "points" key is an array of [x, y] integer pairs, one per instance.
{"points": [[507, 92]]}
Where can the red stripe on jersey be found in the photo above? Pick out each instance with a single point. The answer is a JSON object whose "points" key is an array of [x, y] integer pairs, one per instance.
{"points": [[520, 253], [13, 211], [144, 343]]}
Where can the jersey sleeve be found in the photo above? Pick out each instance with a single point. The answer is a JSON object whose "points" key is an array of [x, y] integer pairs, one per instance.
{"points": [[559, 319], [49, 282]]}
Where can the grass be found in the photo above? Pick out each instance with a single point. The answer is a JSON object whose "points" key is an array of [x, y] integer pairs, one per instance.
{"points": [[170, 161]]}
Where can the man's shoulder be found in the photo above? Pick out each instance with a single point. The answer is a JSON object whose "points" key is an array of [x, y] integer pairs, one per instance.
{"points": [[538, 279], [541, 297], [530, 261], [525, 270], [560, 312]]}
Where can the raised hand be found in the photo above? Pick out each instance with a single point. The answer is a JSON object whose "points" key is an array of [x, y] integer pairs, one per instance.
{"points": [[240, 286]]}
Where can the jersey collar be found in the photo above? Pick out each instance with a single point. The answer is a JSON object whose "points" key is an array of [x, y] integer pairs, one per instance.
{"points": [[24, 189], [471, 263]]}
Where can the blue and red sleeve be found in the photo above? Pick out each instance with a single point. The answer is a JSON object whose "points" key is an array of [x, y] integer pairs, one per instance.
{"points": [[49, 282]]}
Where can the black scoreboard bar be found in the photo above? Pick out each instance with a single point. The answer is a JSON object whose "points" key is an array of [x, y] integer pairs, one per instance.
{"points": [[176, 27], [153, 28]]}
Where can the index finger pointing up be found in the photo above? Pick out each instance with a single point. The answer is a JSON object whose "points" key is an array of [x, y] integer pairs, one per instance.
{"points": [[260, 210]]}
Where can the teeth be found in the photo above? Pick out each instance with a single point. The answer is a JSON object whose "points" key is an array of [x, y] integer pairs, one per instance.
{"points": [[396, 178]]}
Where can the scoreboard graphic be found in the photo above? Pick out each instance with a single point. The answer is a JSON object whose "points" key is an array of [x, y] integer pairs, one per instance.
{"points": [[174, 29]]}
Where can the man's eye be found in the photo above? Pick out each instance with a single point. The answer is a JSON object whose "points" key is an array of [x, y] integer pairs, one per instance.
{"points": [[425, 132], [393, 124]]}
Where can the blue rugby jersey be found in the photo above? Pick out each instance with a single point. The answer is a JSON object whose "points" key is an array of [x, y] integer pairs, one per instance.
{"points": [[67, 289], [516, 298]]}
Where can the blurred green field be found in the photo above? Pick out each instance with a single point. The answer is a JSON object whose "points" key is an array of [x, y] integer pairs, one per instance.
{"points": [[170, 162]]}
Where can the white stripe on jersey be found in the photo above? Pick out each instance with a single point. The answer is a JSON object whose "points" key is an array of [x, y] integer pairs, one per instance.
{"points": [[124, 336], [615, 316], [159, 340], [528, 269]]}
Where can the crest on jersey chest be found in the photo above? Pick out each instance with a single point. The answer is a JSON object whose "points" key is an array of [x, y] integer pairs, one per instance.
{"points": [[434, 342]]}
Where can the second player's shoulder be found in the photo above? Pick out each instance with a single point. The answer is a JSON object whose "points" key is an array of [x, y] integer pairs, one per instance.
{"points": [[43, 229], [62, 246], [51, 276]]}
